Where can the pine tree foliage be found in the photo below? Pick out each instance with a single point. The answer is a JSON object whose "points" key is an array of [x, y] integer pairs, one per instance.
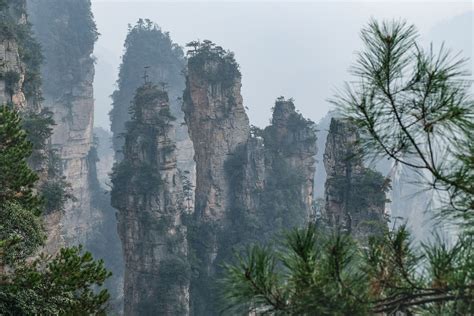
{"points": [[317, 274], [16, 178], [62, 285], [413, 106]]}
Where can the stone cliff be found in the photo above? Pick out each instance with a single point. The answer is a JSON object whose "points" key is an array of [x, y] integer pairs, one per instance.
{"points": [[13, 63], [66, 31], [148, 193], [250, 183], [218, 126], [290, 143], [355, 196], [151, 55]]}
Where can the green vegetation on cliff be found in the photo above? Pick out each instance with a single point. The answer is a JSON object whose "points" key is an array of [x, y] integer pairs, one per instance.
{"points": [[213, 63], [15, 30], [64, 284], [147, 46]]}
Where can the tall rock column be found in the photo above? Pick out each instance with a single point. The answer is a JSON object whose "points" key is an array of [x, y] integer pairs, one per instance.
{"points": [[148, 193], [67, 33], [355, 195], [148, 46], [271, 180], [218, 126], [290, 145]]}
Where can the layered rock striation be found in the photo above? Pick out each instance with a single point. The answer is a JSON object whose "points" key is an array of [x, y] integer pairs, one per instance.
{"points": [[148, 193]]}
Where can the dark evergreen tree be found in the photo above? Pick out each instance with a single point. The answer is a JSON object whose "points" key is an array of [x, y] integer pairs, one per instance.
{"points": [[64, 284], [414, 107], [17, 180], [312, 273], [25, 288]]}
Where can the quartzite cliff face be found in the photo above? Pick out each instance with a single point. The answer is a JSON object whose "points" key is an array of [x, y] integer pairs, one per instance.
{"points": [[66, 31], [148, 193], [250, 183], [355, 195], [218, 126], [12, 68], [150, 53], [290, 143]]}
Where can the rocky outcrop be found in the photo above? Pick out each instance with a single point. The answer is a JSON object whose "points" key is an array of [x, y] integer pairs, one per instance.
{"points": [[12, 65], [217, 124], [105, 153], [290, 143], [148, 193], [11, 75], [322, 130], [218, 127], [250, 183], [151, 56], [66, 31], [355, 196]]}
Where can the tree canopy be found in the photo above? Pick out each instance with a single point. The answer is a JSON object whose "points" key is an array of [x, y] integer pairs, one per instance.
{"points": [[412, 106], [44, 285]]}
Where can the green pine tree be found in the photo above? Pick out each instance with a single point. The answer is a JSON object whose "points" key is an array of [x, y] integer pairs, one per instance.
{"points": [[413, 107], [17, 180], [67, 284]]}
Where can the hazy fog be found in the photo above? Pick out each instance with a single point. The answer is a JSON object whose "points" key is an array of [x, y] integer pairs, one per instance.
{"points": [[301, 50]]}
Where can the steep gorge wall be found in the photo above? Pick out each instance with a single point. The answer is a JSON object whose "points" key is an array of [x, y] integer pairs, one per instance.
{"points": [[148, 193], [67, 32]]}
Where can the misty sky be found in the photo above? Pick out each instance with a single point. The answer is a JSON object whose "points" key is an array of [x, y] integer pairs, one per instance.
{"points": [[301, 50]]}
